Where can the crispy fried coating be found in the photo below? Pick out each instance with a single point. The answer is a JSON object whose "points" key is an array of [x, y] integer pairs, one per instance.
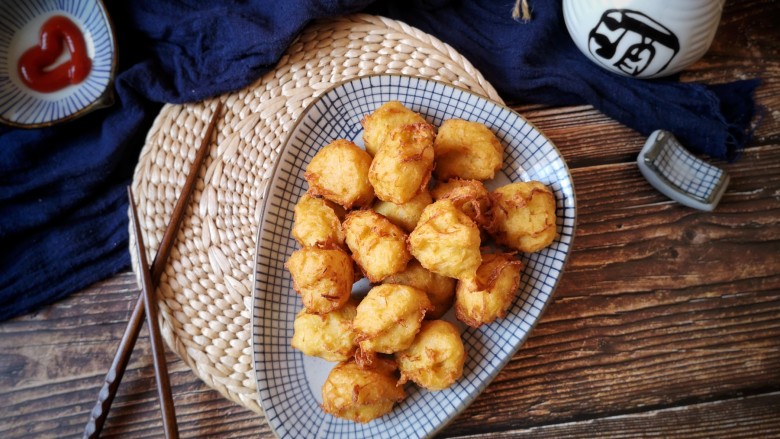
{"points": [[402, 167], [407, 214], [389, 317], [488, 295], [316, 223], [469, 196], [368, 359], [328, 336], [523, 216], [379, 124], [467, 150], [360, 395], [377, 245], [339, 172], [446, 241], [435, 360], [440, 289], [323, 278]]}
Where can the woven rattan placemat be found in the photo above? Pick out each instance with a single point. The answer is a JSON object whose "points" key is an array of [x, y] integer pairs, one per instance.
{"points": [[206, 291]]}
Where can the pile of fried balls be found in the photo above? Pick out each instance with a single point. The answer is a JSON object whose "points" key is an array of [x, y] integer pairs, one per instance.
{"points": [[411, 214]]}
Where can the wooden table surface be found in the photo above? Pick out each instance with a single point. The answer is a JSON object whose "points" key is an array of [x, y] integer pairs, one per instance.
{"points": [[666, 321]]}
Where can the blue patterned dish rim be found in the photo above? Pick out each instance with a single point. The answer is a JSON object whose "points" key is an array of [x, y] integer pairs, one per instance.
{"points": [[289, 382], [20, 21]]}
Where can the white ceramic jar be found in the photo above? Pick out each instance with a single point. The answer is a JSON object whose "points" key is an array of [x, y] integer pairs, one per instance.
{"points": [[643, 38]]}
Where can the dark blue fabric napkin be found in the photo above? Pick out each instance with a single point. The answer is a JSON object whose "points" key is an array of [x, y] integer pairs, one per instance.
{"points": [[63, 207]]}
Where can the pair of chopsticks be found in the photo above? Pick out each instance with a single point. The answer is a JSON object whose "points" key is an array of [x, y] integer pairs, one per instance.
{"points": [[147, 304]]}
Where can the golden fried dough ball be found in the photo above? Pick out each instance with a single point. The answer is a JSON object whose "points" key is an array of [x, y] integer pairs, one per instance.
{"points": [[523, 216], [360, 395], [402, 166], [389, 317], [467, 150], [440, 289], [377, 245], [435, 360], [328, 336], [407, 214], [488, 295], [316, 223], [446, 241], [339, 172], [469, 196], [379, 124], [323, 278]]}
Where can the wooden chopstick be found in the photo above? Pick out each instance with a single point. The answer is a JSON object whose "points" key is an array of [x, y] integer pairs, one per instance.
{"points": [[158, 351], [99, 412]]}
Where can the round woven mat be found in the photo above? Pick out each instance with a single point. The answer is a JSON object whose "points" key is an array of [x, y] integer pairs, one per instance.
{"points": [[205, 294]]}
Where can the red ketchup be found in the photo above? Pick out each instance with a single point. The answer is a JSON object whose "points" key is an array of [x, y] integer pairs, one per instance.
{"points": [[35, 64]]}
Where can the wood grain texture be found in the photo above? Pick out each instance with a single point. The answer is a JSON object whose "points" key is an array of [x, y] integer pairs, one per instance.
{"points": [[666, 321], [706, 420]]}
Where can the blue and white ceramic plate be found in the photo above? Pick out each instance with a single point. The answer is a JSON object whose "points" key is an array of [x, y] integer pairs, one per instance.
{"points": [[289, 383], [21, 23]]}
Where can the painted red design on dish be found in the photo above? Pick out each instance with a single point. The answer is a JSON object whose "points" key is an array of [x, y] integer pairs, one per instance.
{"points": [[35, 65]]}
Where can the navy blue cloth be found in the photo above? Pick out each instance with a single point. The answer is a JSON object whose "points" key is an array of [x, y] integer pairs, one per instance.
{"points": [[63, 207]]}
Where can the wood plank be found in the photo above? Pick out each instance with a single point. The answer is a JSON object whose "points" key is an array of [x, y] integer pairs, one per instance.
{"points": [[747, 416]]}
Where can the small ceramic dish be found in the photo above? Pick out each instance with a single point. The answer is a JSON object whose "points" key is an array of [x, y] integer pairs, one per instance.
{"points": [[680, 175], [289, 383], [57, 60]]}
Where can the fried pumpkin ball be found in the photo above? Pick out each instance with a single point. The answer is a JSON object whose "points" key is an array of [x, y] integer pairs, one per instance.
{"points": [[488, 295], [323, 278], [389, 317], [435, 360], [379, 124], [523, 216], [316, 223], [469, 196], [467, 150], [440, 289], [402, 166], [407, 214], [360, 395], [328, 336], [446, 241], [378, 246], [339, 172]]}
